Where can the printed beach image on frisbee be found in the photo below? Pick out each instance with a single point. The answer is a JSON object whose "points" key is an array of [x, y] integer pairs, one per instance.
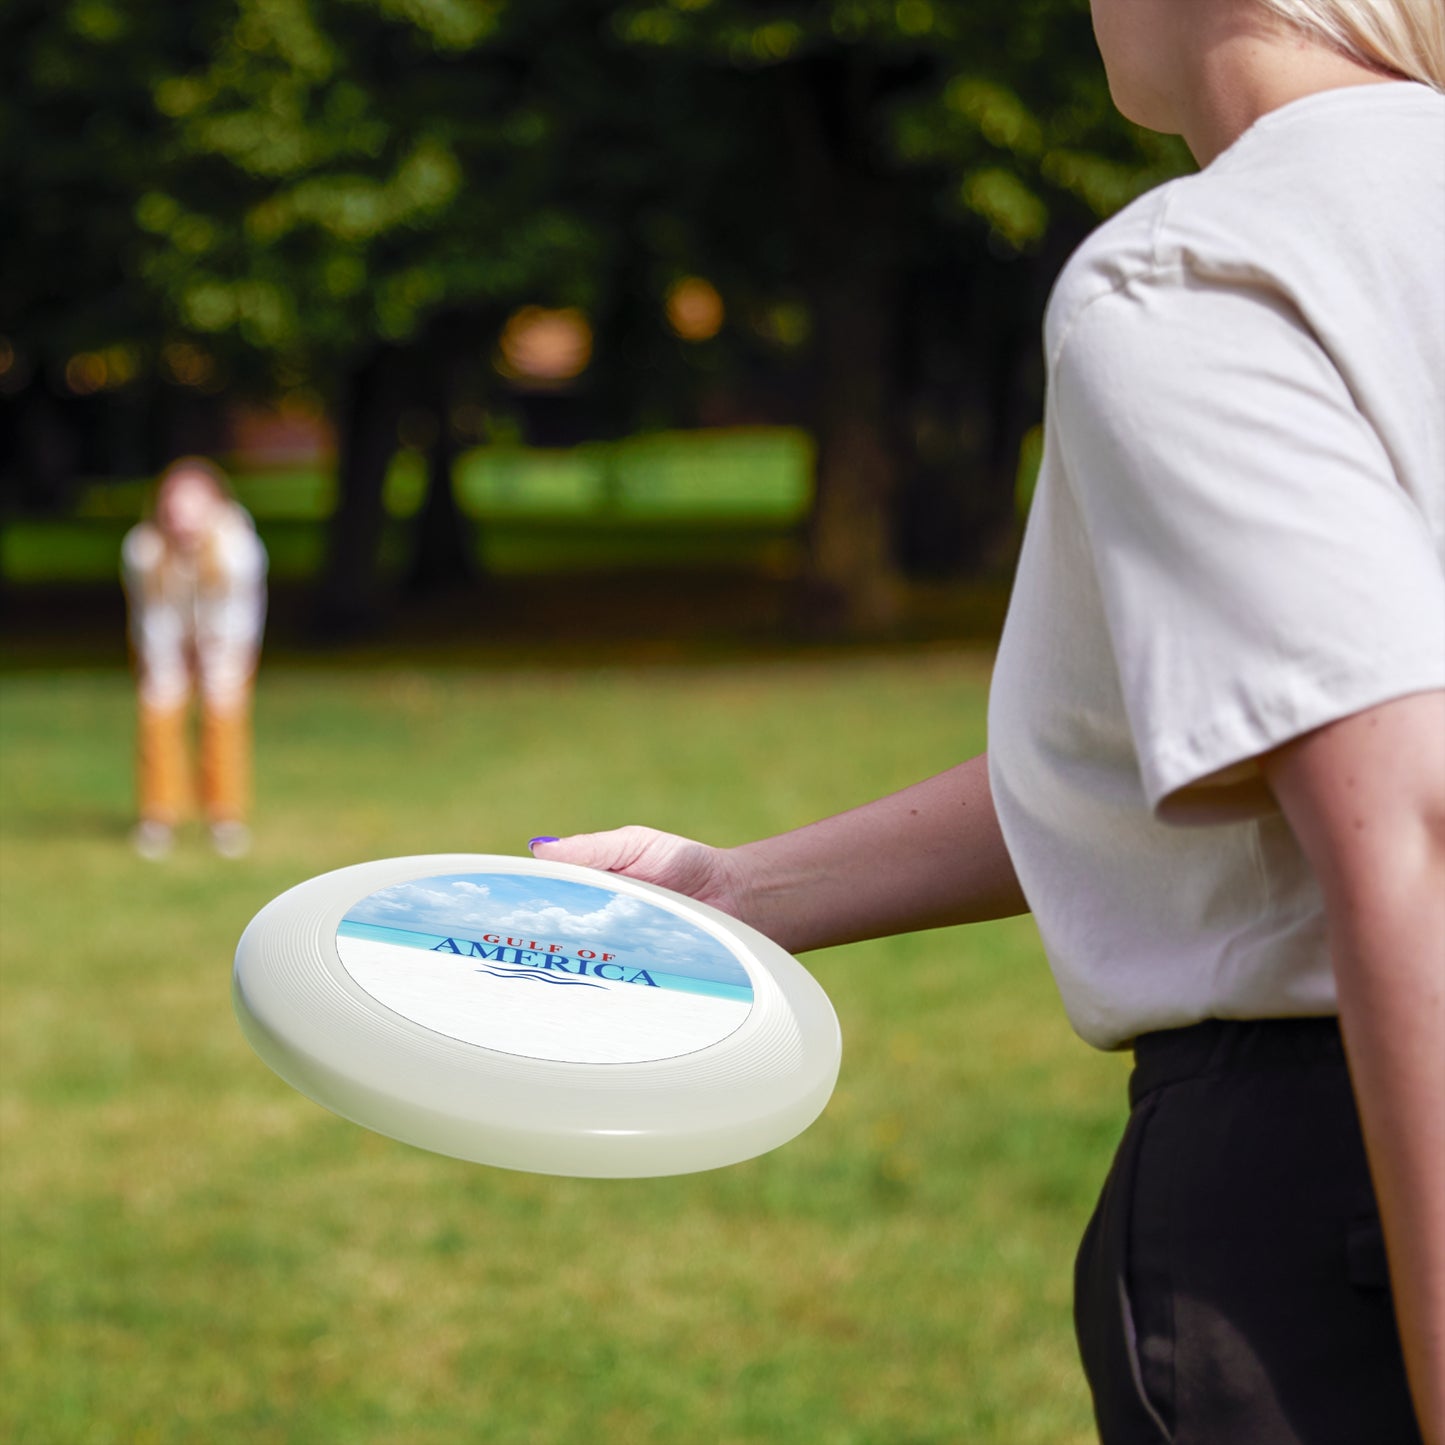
{"points": [[535, 1015], [580, 974]]}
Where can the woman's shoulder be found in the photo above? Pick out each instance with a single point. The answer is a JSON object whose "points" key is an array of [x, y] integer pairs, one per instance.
{"points": [[239, 549], [235, 520], [143, 548], [1339, 192], [1117, 253]]}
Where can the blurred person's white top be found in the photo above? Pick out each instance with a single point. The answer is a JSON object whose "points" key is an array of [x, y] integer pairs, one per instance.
{"points": [[1238, 536], [196, 619]]}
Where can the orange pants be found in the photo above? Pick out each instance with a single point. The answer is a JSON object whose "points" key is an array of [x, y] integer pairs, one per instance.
{"points": [[163, 762]]}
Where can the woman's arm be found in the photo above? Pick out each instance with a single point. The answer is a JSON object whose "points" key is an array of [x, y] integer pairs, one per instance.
{"points": [[1366, 799], [926, 857]]}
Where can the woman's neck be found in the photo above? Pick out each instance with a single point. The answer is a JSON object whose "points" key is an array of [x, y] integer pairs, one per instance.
{"points": [[1244, 69]]}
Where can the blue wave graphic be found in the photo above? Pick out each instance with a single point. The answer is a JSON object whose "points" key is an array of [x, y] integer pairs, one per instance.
{"points": [[537, 976]]}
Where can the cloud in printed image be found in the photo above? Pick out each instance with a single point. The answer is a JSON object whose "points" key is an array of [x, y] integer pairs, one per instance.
{"points": [[576, 914], [542, 918], [410, 905]]}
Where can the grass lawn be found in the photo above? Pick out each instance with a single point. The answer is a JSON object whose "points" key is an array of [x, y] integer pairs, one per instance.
{"points": [[193, 1252], [733, 498]]}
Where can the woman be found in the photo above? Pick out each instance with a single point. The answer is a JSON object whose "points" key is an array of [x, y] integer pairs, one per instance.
{"points": [[195, 583], [1217, 759]]}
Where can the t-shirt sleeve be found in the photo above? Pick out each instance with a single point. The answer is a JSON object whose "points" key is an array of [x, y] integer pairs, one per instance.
{"points": [[1263, 570]]}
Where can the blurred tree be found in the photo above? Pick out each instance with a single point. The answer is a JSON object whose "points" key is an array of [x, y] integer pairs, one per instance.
{"points": [[79, 139], [924, 165], [367, 188], [353, 195]]}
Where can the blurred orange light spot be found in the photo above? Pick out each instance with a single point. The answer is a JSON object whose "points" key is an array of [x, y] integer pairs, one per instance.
{"points": [[86, 373], [7, 355], [187, 365], [695, 311], [543, 346]]}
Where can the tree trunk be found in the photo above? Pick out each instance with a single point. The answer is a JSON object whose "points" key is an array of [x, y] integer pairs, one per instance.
{"points": [[442, 557], [47, 450], [851, 265], [852, 562], [349, 601], [974, 387]]}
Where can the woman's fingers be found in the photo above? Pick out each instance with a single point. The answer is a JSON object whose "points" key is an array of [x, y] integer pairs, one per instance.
{"points": [[615, 851], [672, 862], [639, 852]]}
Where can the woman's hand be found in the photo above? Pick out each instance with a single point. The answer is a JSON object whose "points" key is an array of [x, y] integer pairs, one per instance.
{"points": [[711, 875]]}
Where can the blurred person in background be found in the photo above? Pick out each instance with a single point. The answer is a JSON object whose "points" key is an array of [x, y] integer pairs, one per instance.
{"points": [[1216, 767], [195, 583]]}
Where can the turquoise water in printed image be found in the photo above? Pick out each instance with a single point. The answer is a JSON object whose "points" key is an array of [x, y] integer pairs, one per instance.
{"points": [[424, 913]]}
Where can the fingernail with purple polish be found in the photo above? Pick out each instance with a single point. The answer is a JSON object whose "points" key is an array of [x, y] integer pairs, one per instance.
{"points": [[533, 842]]}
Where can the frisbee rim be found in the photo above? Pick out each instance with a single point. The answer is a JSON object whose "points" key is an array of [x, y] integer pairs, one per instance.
{"points": [[317, 1027]]}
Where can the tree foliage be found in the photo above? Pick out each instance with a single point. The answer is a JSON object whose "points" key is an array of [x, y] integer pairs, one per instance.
{"points": [[353, 194]]}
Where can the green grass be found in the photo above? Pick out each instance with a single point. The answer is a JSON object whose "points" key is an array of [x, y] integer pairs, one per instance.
{"points": [[193, 1252], [733, 498], [757, 473], [87, 550]]}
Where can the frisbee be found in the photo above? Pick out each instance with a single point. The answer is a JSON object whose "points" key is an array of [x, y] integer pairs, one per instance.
{"points": [[536, 1016]]}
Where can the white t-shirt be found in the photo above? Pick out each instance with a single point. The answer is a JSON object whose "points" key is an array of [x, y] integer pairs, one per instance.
{"points": [[195, 620], [1238, 536]]}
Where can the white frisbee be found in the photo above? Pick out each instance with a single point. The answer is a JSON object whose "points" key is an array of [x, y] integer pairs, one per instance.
{"points": [[536, 1016]]}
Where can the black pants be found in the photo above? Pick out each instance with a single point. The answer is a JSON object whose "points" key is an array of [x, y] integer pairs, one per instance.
{"points": [[1231, 1288]]}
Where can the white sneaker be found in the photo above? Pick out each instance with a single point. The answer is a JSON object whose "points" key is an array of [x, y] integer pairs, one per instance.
{"points": [[152, 840], [231, 839]]}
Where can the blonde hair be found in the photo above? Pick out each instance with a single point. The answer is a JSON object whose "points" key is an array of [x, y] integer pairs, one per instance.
{"points": [[193, 466], [1404, 37]]}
